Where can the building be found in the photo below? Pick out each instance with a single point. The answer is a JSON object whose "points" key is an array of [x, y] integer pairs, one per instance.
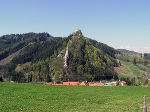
{"points": [[111, 84], [123, 83]]}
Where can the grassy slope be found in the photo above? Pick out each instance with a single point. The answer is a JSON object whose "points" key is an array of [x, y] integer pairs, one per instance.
{"points": [[35, 98], [9, 58], [128, 69]]}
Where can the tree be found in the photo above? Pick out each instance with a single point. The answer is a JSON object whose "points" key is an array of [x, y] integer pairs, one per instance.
{"points": [[145, 62], [134, 61]]}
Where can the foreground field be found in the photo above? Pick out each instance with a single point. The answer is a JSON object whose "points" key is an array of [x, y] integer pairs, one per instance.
{"points": [[36, 98]]}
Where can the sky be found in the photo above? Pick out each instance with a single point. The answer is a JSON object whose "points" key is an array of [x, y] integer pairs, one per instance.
{"points": [[117, 23]]}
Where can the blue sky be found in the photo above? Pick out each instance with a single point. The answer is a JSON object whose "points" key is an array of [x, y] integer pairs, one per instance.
{"points": [[118, 23]]}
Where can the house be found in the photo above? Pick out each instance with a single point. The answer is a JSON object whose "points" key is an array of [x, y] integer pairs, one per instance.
{"points": [[100, 84], [96, 84], [83, 83], [92, 84], [123, 83], [111, 84], [66, 83], [74, 83], [70, 83]]}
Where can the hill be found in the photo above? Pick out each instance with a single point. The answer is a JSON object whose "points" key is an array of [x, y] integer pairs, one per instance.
{"points": [[37, 57], [35, 97], [127, 51], [135, 66]]}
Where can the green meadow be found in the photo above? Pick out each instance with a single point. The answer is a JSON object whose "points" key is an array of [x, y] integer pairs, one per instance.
{"points": [[133, 70], [15, 97]]}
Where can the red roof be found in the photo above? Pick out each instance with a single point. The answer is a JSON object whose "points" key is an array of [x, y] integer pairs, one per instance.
{"points": [[83, 83], [100, 84], [123, 82], [91, 84], [70, 83], [96, 84], [66, 83], [74, 83]]}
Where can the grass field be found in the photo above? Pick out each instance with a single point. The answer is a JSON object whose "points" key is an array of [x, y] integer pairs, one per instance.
{"points": [[128, 69], [16, 97], [135, 70]]}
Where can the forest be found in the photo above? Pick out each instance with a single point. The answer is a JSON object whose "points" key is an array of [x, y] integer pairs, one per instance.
{"points": [[39, 57]]}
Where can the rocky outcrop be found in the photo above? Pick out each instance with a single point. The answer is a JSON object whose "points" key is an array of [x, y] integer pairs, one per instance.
{"points": [[77, 33], [66, 57]]}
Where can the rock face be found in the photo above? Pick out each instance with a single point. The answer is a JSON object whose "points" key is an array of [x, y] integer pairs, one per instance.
{"points": [[77, 33], [66, 57]]}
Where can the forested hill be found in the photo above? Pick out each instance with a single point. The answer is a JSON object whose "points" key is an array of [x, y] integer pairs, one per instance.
{"points": [[35, 57], [11, 43], [128, 51]]}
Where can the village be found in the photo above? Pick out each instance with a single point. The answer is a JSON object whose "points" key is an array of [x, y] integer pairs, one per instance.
{"points": [[85, 83]]}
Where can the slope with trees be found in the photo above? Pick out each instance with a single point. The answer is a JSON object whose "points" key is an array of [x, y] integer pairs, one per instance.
{"points": [[41, 58]]}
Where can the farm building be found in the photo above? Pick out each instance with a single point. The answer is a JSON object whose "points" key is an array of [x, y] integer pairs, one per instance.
{"points": [[84, 83], [70, 83], [96, 84], [111, 84], [123, 83]]}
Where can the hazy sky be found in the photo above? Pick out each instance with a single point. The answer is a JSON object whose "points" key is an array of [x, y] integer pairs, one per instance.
{"points": [[118, 23]]}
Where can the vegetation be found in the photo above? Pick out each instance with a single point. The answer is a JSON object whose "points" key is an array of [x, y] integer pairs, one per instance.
{"points": [[135, 67], [11, 43], [128, 52], [38, 57], [34, 98]]}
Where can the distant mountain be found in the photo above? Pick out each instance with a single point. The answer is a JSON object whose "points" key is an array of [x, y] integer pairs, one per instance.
{"points": [[35, 57], [127, 51]]}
